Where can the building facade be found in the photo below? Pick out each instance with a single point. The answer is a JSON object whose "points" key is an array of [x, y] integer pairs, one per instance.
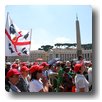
{"points": [[63, 54]]}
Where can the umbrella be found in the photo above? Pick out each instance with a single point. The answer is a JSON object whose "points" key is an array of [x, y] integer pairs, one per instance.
{"points": [[39, 59], [53, 61]]}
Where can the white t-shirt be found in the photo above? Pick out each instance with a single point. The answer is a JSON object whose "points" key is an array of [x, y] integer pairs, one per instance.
{"points": [[50, 71], [35, 86], [90, 76], [81, 82]]}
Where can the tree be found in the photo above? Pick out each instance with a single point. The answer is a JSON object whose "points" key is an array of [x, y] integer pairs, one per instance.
{"points": [[46, 47], [87, 46], [58, 45], [65, 44]]}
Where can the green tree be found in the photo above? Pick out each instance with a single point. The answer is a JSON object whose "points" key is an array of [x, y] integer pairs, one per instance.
{"points": [[46, 47]]}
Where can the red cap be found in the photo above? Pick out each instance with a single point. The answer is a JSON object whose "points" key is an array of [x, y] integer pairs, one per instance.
{"points": [[35, 68], [35, 63], [24, 68], [77, 67], [44, 64], [23, 63], [12, 72], [14, 66]]}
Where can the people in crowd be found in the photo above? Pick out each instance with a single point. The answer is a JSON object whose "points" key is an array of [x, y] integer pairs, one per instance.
{"points": [[52, 76], [80, 59], [50, 70], [68, 64], [37, 80], [23, 83], [13, 78], [90, 76], [81, 83], [14, 66], [62, 76], [60, 71], [45, 75], [45, 69], [67, 80], [7, 67]]}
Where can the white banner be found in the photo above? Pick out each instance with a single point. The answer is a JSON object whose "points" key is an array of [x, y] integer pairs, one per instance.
{"points": [[17, 42]]}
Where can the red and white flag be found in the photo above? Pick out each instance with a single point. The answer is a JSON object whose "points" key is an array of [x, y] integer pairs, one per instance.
{"points": [[17, 42]]}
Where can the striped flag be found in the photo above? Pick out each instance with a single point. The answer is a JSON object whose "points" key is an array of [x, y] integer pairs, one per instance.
{"points": [[17, 42]]}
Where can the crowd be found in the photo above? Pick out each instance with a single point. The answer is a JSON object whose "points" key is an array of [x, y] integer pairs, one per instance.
{"points": [[68, 76]]}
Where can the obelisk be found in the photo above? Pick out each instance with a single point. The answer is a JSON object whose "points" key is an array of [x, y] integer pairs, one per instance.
{"points": [[79, 50]]}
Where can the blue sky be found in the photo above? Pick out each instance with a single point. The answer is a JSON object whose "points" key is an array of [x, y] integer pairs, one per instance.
{"points": [[52, 24]]}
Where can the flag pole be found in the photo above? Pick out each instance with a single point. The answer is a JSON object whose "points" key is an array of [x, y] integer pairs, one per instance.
{"points": [[5, 31], [7, 18]]}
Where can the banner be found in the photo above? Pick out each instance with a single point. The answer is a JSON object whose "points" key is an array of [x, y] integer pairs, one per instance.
{"points": [[17, 42]]}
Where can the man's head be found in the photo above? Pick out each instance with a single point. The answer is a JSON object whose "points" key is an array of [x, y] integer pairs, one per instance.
{"points": [[80, 57], [13, 76], [79, 68]]}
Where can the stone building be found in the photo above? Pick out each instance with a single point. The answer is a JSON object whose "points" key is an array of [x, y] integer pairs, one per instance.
{"points": [[63, 54]]}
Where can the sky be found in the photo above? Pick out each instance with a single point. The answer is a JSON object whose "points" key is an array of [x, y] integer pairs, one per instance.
{"points": [[52, 24]]}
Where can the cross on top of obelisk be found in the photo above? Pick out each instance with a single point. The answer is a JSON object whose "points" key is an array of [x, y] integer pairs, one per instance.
{"points": [[76, 16]]}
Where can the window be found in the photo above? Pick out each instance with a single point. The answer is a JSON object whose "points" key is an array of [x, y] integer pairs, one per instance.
{"points": [[56, 55]]}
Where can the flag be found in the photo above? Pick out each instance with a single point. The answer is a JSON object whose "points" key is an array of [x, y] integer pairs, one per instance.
{"points": [[17, 42]]}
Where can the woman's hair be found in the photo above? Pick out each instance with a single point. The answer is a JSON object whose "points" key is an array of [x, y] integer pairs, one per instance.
{"points": [[34, 75], [58, 65], [63, 65], [50, 66]]}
